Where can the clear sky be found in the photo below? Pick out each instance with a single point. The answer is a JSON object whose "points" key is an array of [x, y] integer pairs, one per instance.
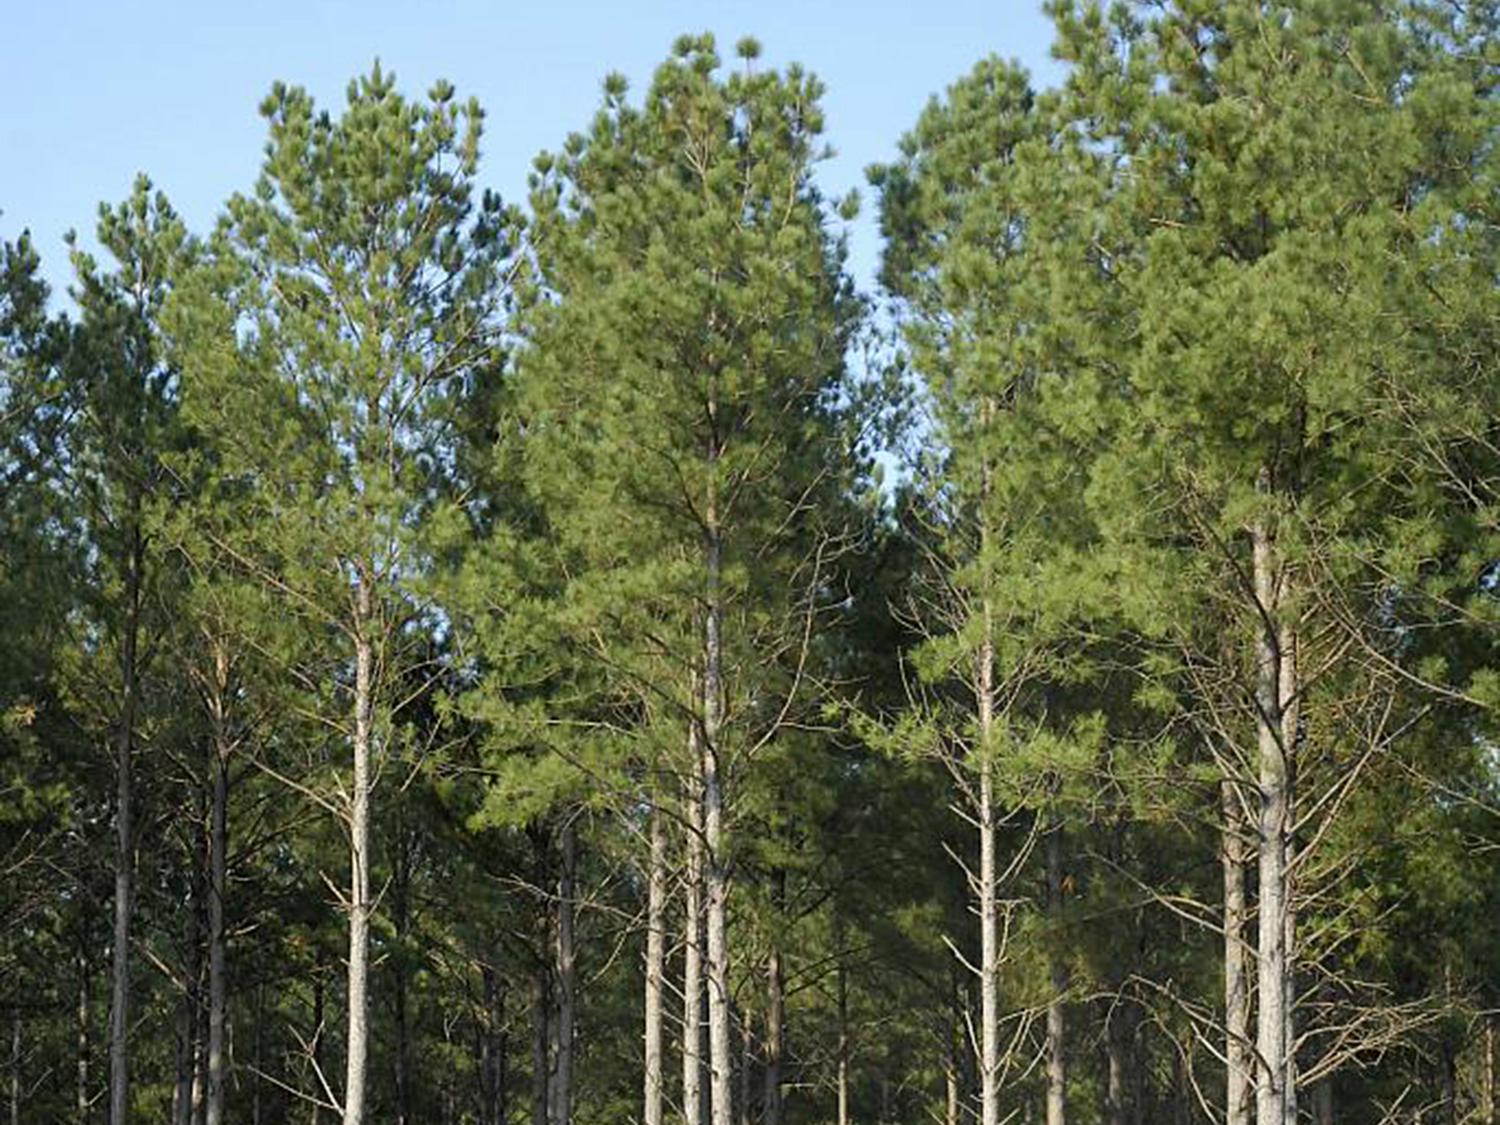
{"points": [[94, 91]]}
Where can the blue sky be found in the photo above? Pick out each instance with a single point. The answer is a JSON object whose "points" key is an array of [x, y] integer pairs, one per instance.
{"points": [[96, 90]]}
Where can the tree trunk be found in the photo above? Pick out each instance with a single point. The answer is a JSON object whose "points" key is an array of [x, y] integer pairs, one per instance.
{"points": [[692, 961], [492, 1052], [656, 957], [1237, 1052], [186, 1092], [1271, 931], [989, 906], [1487, 1073], [539, 1037], [843, 1043], [357, 1043], [401, 868], [541, 981], [218, 887], [560, 1102], [743, 1108], [1057, 1073], [82, 1100], [119, 1009], [15, 1067], [1115, 1064], [776, 1010], [716, 881], [318, 1021]]}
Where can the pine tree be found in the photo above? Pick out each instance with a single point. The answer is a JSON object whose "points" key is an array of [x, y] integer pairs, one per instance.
{"points": [[359, 281]]}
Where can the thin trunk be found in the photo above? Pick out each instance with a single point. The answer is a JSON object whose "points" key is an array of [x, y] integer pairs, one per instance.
{"points": [[1236, 991], [186, 1091], [539, 1035], [746, 1068], [716, 877], [692, 961], [541, 983], [218, 887], [1115, 1064], [1289, 701], [656, 957], [716, 881], [200, 1053], [989, 906], [182, 1061], [81, 1043], [357, 1043], [492, 1051], [1487, 1069], [317, 1044], [1271, 930], [843, 1043], [561, 1100], [401, 917], [15, 1067], [776, 1012], [1057, 1073], [119, 1009]]}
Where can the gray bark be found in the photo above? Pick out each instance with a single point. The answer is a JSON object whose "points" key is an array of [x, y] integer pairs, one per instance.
{"points": [[989, 908], [357, 1042], [560, 1101], [1057, 1073], [1275, 694], [119, 1009], [82, 1100], [1240, 1063], [843, 1043], [15, 1067], [692, 963], [656, 957], [776, 1016], [716, 876], [218, 878]]}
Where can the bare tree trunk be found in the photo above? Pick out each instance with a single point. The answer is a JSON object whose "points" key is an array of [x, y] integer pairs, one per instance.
{"points": [[541, 982], [318, 1020], [187, 1091], [560, 1102], [989, 905], [1237, 1054], [1271, 932], [743, 1107], [1487, 1073], [716, 882], [218, 887], [539, 1036], [692, 963], [843, 1043], [357, 1044], [656, 959], [491, 1052], [776, 1011], [401, 917], [1057, 1062], [15, 1067], [119, 1010], [1115, 1064], [82, 1100]]}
